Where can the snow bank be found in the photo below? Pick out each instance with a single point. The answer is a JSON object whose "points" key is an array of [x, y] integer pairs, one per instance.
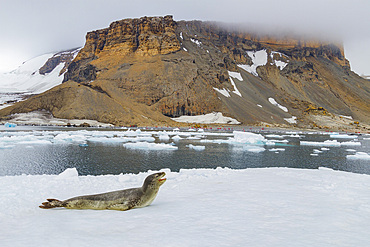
{"points": [[223, 91], [45, 118], [210, 118], [279, 63], [273, 101], [237, 76], [198, 207], [259, 58], [292, 120]]}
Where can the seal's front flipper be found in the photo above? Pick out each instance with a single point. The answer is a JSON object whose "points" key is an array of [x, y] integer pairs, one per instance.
{"points": [[51, 203]]}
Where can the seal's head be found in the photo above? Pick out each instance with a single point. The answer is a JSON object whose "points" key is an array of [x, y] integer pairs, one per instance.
{"points": [[154, 181]]}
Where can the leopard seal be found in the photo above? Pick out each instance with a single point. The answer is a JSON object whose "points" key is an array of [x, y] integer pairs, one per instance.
{"points": [[116, 200]]}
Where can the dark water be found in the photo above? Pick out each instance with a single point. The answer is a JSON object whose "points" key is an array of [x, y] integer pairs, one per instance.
{"points": [[101, 158]]}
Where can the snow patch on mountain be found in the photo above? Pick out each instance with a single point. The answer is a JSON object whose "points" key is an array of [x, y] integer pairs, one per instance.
{"points": [[210, 118]]}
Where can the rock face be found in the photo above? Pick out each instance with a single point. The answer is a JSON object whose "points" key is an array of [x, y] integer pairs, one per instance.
{"points": [[143, 71], [65, 57]]}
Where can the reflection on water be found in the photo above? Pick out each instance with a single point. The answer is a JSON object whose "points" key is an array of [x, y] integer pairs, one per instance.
{"points": [[97, 158]]}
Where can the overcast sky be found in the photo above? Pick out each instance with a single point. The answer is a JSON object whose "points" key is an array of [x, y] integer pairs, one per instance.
{"points": [[32, 27]]}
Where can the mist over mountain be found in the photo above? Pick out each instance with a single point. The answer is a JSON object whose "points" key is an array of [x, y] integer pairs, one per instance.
{"points": [[149, 70]]}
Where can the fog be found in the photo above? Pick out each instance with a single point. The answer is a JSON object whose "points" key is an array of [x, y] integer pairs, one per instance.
{"points": [[31, 28]]}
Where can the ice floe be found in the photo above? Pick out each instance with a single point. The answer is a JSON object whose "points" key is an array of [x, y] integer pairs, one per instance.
{"points": [[195, 207], [149, 146], [359, 156], [196, 147], [330, 143]]}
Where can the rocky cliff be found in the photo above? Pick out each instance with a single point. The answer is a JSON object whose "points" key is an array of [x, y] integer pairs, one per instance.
{"points": [[143, 71]]}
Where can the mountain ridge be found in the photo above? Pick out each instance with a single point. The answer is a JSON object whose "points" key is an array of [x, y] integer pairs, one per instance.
{"points": [[152, 69]]}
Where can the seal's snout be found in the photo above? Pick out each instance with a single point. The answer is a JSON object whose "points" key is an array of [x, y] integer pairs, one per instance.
{"points": [[161, 178]]}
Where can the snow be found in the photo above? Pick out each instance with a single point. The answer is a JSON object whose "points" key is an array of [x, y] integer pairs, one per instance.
{"points": [[292, 120], [330, 143], [359, 155], [44, 118], [273, 101], [339, 136], [278, 63], [196, 147], [149, 146], [223, 91], [259, 58], [198, 207], [210, 118], [348, 117], [195, 41], [26, 79], [237, 76]]}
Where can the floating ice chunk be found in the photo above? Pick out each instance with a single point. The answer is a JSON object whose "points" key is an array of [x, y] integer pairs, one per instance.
{"points": [[223, 91], [185, 49], [317, 151], [149, 146], [330, 143], [247, 137], [350, 143], [163, 136], [274, 136], [327, 143], [249, 148], [359, 156], [276, 149], [314, 154], [325, 149], [259, 105], [176, 138], [197, 148], [339, 136], [181, 35], [10, 125], [273, 101], [351, 150]]}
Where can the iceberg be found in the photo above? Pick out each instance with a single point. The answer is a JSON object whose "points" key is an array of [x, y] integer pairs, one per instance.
{"points": [[149, 146]]}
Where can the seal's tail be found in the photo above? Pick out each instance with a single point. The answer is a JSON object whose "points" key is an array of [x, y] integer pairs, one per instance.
{"points": [[51, 203]]}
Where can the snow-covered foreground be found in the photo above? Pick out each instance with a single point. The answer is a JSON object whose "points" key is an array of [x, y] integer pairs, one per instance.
{"points": [[198, 207]]}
